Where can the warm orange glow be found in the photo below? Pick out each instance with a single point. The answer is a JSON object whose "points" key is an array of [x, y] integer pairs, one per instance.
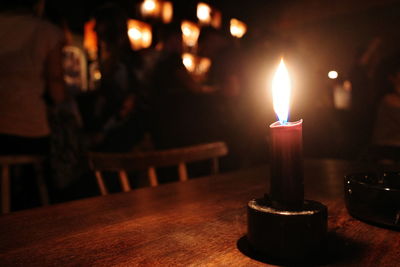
{"points": [[97, 75], [347, 85], [135, 34], [198, 66], [139, 34], [188, 61], [216, 20], [281, 90], [238, 28], [204, 13], [146, 38], [332, 74], [204, 65], [90, 39], [167, 12], [190, 33], [150, 8]]}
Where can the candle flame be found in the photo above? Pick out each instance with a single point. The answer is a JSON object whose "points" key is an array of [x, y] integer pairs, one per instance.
{"points": [[281, 89]]}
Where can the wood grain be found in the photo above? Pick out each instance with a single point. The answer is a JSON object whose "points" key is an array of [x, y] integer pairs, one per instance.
{"points": [[196, 223]]}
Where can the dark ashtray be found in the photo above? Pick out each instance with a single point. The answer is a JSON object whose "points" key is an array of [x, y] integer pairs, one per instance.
{"points": [[374, 197]]}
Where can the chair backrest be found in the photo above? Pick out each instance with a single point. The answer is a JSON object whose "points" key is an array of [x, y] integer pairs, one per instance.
{"points": [[21, 159], [123, 162]]}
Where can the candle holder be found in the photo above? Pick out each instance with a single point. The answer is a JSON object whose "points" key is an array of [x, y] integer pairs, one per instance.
{"points": [[283, 225], [286, 235]]}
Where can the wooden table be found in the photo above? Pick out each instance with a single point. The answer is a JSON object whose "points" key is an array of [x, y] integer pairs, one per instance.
{"points": [[196, 223]]}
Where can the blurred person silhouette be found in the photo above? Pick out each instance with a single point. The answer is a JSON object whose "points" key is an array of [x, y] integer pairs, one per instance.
{"points": [[169, 73], [126, 130], [224, 73], [363, 75], [67, 150], [173, 98], [387, 125], [31, 87], [118, 63], [366, 93], [119, 105], [30, 56], [224, 83]]}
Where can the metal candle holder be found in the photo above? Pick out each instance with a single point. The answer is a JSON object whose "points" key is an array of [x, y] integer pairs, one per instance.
{"points": [[283, 225]]}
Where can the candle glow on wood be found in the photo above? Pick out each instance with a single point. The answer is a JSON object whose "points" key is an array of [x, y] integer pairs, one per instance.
{"points": [[281, 90]]}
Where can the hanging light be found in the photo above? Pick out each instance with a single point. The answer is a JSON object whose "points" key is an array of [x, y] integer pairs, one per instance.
{"points": [[190, 33], [167, 11], [189, 61], [139, 34], [204, 13], [237, 28], [150, 8], [198, 66], [333, 74]]}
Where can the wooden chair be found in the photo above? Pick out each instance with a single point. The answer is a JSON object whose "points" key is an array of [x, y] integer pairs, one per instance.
{"points": [[122, 163], [15, 160]]}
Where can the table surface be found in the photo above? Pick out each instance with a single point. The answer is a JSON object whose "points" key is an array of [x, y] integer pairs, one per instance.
{"points": [[201, 222]]}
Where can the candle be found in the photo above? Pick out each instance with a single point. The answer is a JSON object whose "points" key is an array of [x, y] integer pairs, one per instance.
{"points": [[282, 225], [287, 189]]}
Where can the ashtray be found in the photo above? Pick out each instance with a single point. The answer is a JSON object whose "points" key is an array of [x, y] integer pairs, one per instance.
{"points": [[374, 197]]}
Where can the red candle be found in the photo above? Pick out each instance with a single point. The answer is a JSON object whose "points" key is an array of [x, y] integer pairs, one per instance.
{"points": [[286, 188]]}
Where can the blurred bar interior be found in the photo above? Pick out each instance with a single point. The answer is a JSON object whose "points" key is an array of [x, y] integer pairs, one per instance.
{"points": [[132, 76]]}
